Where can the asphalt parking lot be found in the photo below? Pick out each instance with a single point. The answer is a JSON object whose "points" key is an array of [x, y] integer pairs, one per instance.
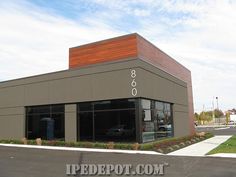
{"points": [[22, 162], [218, 130]]}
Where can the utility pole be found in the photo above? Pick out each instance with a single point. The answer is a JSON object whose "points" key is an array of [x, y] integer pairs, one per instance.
{"points": [[203, 114], [217, 103], [213, 110]]}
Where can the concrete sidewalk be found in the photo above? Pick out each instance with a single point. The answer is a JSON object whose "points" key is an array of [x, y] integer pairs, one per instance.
{"points": [[201, 148]]}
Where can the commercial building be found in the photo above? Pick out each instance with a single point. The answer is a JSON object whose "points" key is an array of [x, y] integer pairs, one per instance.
{"points": [[119, 89]]}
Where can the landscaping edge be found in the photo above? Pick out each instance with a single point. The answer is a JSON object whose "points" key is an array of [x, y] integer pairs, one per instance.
{"points": [[162, 146], [228, 146]]}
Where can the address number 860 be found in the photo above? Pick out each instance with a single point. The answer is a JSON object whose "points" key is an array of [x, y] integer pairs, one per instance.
{"points": [[133, 75]]}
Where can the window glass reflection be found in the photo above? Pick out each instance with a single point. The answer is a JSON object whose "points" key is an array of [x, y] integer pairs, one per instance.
{"points": [[115, 125], [146, 115], [46, 122], [110, 120], [146, 104], [157, 122], [159, 105]]}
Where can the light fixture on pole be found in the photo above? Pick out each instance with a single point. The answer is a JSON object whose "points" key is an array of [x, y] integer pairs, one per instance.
{"points": [[217, 103], [213, 110]]}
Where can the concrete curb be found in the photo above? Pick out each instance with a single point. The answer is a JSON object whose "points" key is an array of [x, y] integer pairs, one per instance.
{"points": [[81, 149], [223, 128], [228, 155], [187, 151]]}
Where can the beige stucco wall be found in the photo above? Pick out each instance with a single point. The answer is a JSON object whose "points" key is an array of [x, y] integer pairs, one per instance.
{"points": [[98, 82], [70, 122], [12, 123]]}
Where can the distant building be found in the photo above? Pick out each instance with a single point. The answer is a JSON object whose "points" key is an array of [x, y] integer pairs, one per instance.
{"points": [[233, 117], [232, 111]]}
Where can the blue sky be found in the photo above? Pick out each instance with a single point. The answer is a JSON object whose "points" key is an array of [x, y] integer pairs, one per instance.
{"points": [[35, 37]]}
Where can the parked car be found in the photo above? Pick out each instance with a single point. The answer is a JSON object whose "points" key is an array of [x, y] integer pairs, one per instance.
{"points": [[232, 122], [164, 127], [120, 130]]}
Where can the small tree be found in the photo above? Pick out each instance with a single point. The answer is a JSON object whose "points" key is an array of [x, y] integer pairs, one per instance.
{"points": [[209, 116], [202, 117], [234, 110], [196, 117], [227, 116], [205, 116], [218, 113]]}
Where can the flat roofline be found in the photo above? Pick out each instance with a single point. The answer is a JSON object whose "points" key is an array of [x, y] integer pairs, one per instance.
{"points": [[105, 40], [132, 34], [161, 51], [103, 63]]}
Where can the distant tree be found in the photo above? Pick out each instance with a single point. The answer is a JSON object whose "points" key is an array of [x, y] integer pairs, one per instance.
{"points": [[196, 116], [227, 117], [209, 113], [218, 113], [205, 116], [234, 110]]}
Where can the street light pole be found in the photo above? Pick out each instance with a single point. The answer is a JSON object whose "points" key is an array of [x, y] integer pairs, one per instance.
{"points": [[213, 110], [217, 103]]}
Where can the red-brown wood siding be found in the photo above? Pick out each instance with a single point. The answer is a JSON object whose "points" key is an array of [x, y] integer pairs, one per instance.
{"points": [[103, 51]]}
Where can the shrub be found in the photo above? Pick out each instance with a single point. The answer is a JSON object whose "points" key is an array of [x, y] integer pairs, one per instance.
{"points": [[31, 142], [163, 146], [68, 144], [110, 145], [50, 143], [100, 145], [147, 146], [87, 144], [60, 143], [39, 141], [123, 146], [135, 146], [11, 141], [24, 140]]}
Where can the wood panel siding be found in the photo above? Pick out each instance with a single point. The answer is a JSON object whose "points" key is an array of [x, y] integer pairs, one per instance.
{"points": [[103, 51], [150, 53]]}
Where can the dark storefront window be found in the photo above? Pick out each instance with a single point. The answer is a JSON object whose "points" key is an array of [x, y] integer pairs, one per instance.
{"points": [[157, 120], [111, 120], [46, 122]]}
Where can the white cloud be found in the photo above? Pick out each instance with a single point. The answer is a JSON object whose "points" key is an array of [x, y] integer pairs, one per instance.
{"points": [[208, 49], [35, 42], [199, 34]]}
